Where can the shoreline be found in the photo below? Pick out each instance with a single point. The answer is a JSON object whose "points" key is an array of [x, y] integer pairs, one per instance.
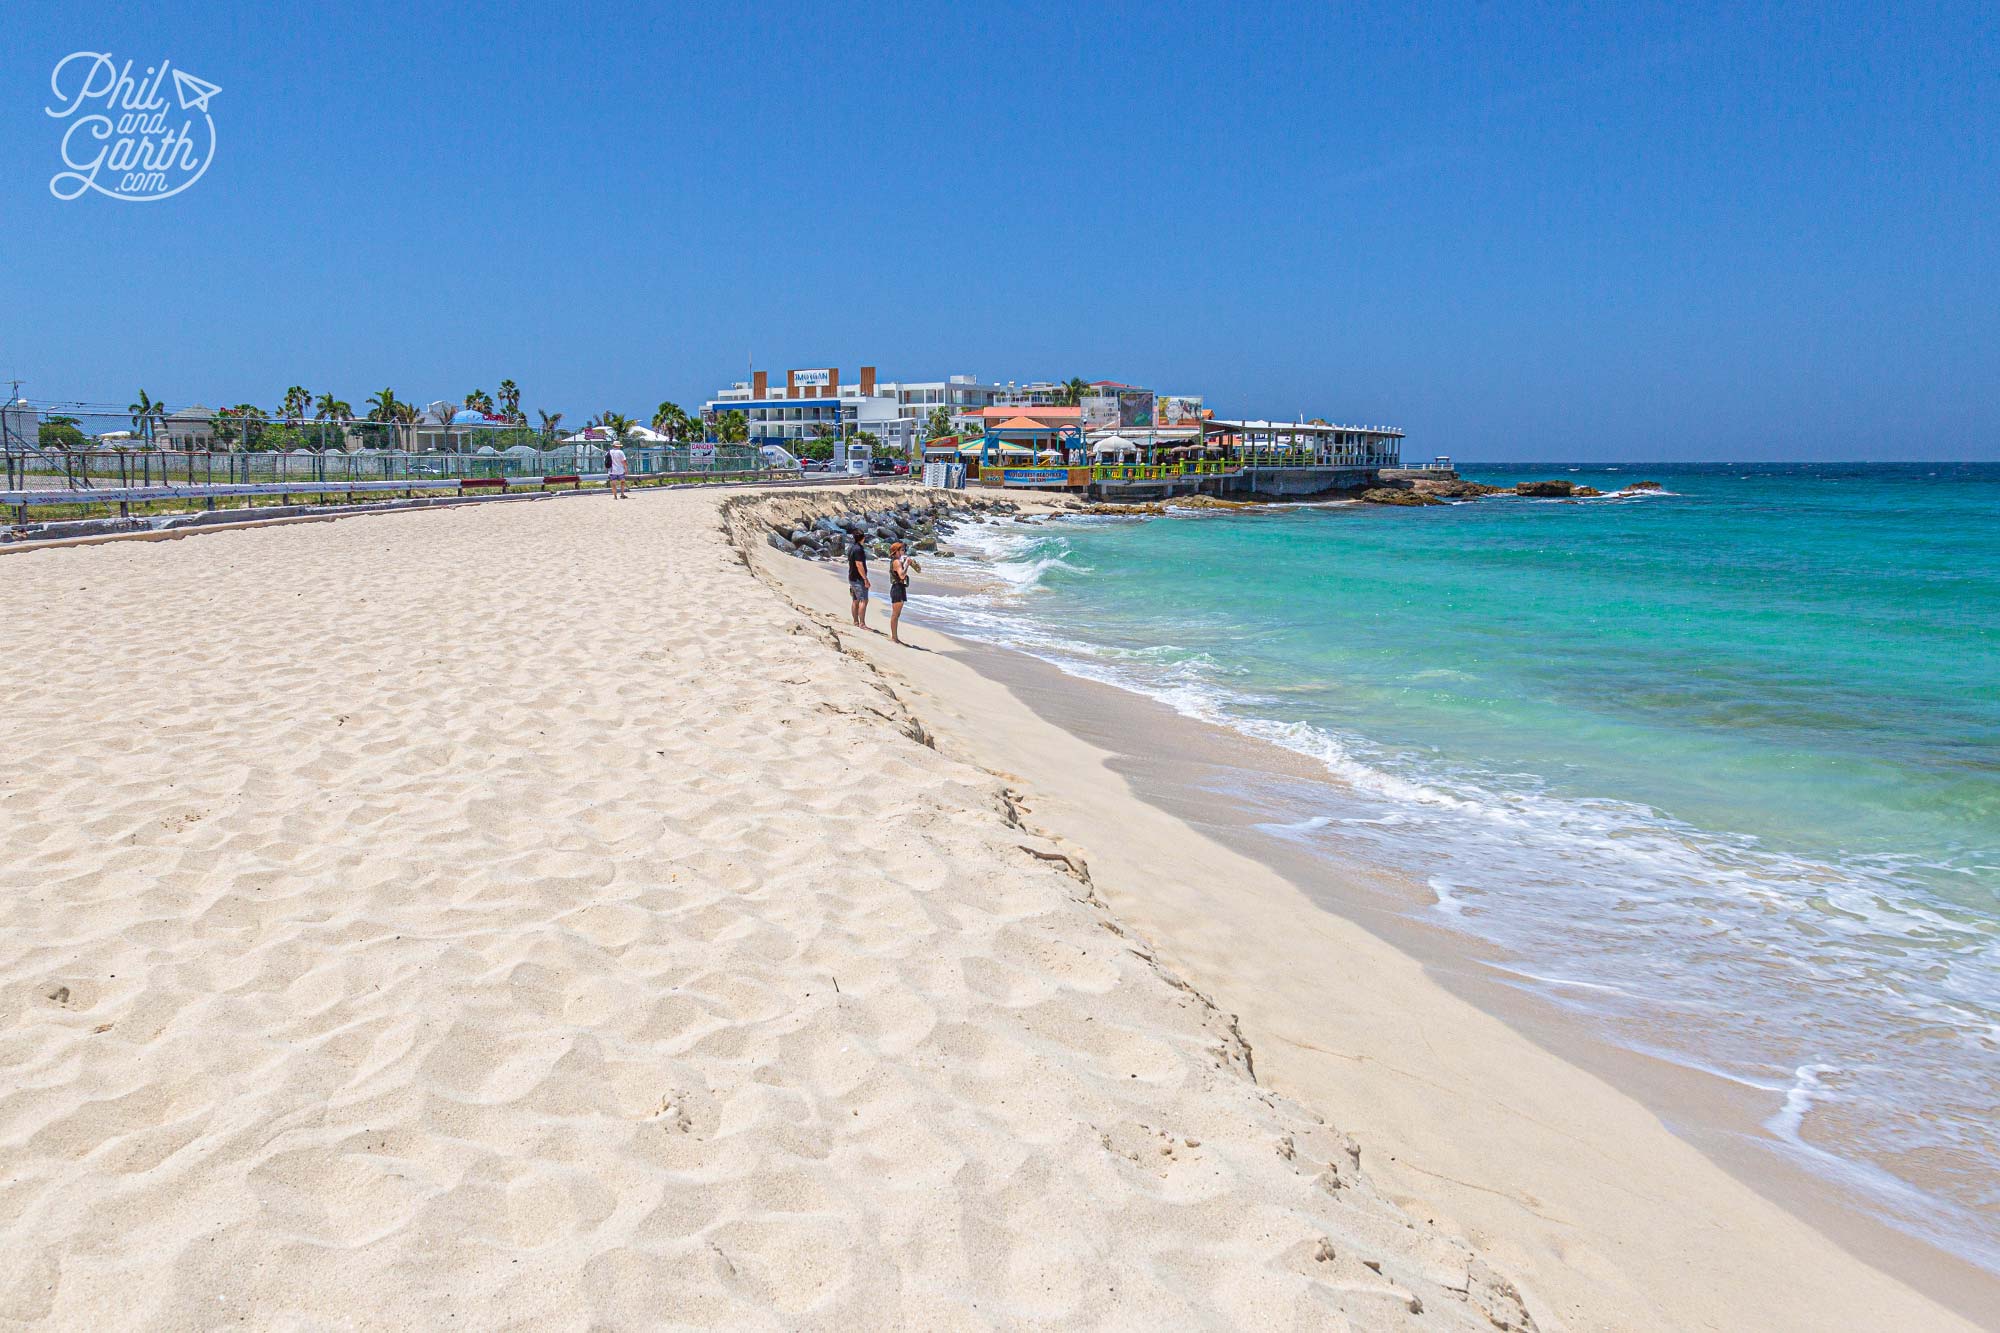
{"points": [[1044, 727], [724, 965]]}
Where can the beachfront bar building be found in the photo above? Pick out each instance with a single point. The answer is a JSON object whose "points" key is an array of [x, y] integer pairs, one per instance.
{"points": [[1203, 456]]}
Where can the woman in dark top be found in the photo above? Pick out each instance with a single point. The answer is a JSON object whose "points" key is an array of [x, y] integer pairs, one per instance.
{"points": [[857, 581], [900, 565]]}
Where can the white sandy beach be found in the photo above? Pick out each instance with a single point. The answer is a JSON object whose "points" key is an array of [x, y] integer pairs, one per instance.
{"points": [[518, 916], [524, 916]]}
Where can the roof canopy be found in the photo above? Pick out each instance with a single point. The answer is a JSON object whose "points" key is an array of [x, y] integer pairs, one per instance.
{"points": [[1296, 428], [1039, 414]]}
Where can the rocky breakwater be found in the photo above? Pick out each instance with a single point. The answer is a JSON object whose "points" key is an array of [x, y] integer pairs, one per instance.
{"points": [[920, 524], [1398, 495], [1556, 490], [1423, 491]]}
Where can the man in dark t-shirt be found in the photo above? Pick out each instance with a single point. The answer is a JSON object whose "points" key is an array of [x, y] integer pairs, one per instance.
{"points": [[857, 581]]}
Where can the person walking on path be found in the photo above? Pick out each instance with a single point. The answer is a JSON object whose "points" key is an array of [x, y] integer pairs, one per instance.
{"points": [[614, 461], [900, 565], [857, 581]]}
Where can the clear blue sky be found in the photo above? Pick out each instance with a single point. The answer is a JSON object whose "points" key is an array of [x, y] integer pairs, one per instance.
{"points": [[1520, 232]]}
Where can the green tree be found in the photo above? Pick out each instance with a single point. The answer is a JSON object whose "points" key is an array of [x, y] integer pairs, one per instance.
{"points": [[60, 433], [336, 411], [1073, 392], [479, 401], [614, 424], [298, 398], [242, 423], [147, 415], [551, 423], [939, 424], [382, 406], [672, 422], [732, 428], [510, 402]]}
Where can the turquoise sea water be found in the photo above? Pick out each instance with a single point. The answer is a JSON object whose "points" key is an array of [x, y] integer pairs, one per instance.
{"points": [[1717, 768]]}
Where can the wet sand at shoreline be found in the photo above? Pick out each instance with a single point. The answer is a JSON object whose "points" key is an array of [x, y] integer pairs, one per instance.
{"points": [[1622, 1226]]}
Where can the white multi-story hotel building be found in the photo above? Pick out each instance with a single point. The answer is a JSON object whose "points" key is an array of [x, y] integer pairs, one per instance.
{"points": [[963, 395], [812, 404]]}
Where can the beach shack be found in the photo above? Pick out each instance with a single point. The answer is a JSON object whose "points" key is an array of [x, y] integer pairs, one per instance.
{"points": [[1033, 446]]}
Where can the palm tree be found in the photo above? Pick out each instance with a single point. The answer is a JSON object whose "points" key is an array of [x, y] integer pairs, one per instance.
{"points": [[146, 414], [510, 402], [332, 409], [382, 406], [1073, 391], [615, 424], [732, 428], [297, 399], [550, 422], [479, 400], [672, 422]]}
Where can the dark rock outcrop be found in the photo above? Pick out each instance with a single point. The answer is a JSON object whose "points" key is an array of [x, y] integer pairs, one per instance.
{"points": [[1391, 495], [1455, 489], [1546, 490]]}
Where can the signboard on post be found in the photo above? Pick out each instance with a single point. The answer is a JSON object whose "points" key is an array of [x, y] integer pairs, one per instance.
{"points": [[1135, 408], [701, 453], [1176, 411], [1100, 411], [813, 379]]}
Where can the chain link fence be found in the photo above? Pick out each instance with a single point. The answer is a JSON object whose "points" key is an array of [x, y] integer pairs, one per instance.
{"points": [[47, 448]]}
